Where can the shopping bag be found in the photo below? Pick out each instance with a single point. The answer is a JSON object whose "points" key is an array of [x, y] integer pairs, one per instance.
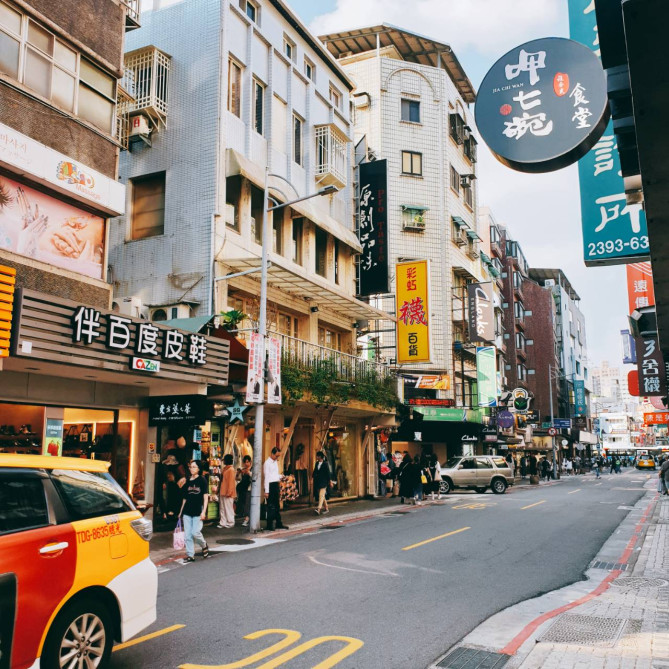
{"points": [[179, 538]]}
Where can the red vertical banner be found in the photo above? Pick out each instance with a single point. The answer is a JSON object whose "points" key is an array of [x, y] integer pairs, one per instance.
{"points": [[640, 291], [255, 379]]}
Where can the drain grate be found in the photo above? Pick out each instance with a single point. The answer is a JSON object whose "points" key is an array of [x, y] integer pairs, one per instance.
{"points": [[473, 658], [584, 630], [610, 566], [636, 583], [235, 542]]}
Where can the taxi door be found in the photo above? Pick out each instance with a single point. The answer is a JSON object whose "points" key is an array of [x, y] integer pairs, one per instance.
{"points": [[37, 561]]}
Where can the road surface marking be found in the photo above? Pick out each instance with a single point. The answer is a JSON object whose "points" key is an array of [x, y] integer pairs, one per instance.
{"points": [[441, 536], [529, 506], [574, 491], [147, 637], [474, 505], [599, 483], [290, 637]]}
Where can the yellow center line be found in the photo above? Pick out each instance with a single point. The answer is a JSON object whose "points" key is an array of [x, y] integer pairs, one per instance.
{"points": [[574, 491], [529, 506], [441, 536], [147, 637]]}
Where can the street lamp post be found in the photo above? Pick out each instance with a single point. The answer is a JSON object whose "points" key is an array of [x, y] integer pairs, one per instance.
{"points": [[258, 437], [550, 400]]}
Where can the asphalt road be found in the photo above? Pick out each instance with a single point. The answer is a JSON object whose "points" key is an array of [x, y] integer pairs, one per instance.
{"points": [[398, 589]]}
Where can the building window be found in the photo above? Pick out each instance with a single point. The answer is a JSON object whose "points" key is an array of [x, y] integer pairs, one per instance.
{"points": [[457, 128], [234, 88], [411, 111], [412, 163], [337, 277], [257, 208], [296, 255], [335, 97], [529, 342], [253, 11], [519, 310], [470, 148], [309, 70], [277, 233], [522, 372], [258, 106], [321, 252], [297, 139], [495, 237], [54, 71], [520, 341], [289, 48], [468, 195], [148, 206], [517, 280], [329, 338], [233, 192], [455, 180]]}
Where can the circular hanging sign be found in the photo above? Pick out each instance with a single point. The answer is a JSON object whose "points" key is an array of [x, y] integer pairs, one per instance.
{"points": [[543, 105], [505, 419]]}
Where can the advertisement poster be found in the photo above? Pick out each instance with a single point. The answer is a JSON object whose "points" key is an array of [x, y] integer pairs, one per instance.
{"points": [[486, 376], [412, 295], [37, 226], [273, 370], [481, 312], [640, 289], [579, 397], [255, 379], [53, 437]]}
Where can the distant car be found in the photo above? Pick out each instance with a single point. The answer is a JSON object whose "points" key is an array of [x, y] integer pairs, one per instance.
{"points": [[645, 462], [476, 472], [75, 572]]}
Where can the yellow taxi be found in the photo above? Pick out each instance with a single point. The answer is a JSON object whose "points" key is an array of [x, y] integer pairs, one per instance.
{"points": [[75, 573], [645, 462]]}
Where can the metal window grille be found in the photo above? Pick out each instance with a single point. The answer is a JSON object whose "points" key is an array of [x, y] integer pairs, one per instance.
{"points": [[132, 13], [330, 156], [146, 79]]}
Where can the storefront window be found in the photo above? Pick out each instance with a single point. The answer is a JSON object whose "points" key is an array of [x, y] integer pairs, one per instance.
{"points": [[340, 452]]}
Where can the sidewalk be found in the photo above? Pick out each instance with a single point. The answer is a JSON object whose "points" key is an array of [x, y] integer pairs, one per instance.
{"points": [[299, 521], [617, 619]]}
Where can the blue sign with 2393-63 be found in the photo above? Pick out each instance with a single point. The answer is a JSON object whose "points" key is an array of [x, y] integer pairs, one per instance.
{"points": [[614, 232]]}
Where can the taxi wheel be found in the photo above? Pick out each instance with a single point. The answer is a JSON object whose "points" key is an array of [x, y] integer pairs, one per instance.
{"points": [[82, 635]]}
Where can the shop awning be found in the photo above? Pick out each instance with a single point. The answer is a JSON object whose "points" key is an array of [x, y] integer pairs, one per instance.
{"points": [[472, 235], [460, 222], [312, 288], [414, 207], [587, 437], [450, 415], [236, 163]]}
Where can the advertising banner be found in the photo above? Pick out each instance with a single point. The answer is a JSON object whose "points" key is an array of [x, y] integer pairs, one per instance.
{"points": [[579, 397], [428, 382], [650, 367], [640, 289], [53, 437], [659, 418], [373, 229], [481, 312], [40, 227], [486, 376], [413, 311], [273, 370], [255, 378], [613, 231]]}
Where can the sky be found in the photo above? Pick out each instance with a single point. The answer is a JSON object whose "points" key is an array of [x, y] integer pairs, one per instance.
{"points": [[542, 212]]}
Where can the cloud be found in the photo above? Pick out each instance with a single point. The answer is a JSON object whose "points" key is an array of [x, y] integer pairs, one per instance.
{"points": [[489, 26]]}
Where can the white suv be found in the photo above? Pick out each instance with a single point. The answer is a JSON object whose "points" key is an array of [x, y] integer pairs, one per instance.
{"points": [[476, 472]]}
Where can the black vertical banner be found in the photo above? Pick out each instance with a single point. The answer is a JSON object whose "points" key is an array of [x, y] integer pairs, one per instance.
{"points": [[373, 233]]}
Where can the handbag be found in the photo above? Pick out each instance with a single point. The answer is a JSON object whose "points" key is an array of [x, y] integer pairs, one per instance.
{"points": [[179, 537], [423, 479]]}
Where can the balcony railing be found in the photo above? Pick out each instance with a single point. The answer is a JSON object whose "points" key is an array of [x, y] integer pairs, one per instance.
{"points": [[131, 14], [346, 367], [331, 148]]}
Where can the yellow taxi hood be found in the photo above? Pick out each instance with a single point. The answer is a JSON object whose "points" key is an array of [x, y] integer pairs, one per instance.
{"points": [[51, 462]]}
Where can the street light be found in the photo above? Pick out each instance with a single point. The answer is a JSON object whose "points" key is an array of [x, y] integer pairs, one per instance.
{"points": [[258, 437], [555, 376]]}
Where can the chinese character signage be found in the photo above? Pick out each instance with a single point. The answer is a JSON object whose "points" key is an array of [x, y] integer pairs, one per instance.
{"points": [[255, 377], [53, 437], [613, 231], [413, 311], [543, 105], [640, 290], [481, 314], [194, 409], [373, 228], [273, 370], [658, 418], [650, 367], [486, 376], [579, 397]]}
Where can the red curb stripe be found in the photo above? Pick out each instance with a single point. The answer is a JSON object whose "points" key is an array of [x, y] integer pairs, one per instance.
{"points": [[514, 645]]}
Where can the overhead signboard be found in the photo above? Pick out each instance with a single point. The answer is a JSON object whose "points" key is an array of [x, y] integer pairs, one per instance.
{"points": [[543, 105], [614, 232], [658, 418], [579, 397], [486, 376], [451, 415], [481, 312], [428, 382], [562, 423], [640, 289], [373, 228], [413, 311], [650, 367]]}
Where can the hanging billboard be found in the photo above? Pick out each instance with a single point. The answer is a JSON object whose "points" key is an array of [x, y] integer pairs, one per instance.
{"points": [[413, 311], [486, 376], [640, 289], [614, 232], [373, 228], [481, 312]]}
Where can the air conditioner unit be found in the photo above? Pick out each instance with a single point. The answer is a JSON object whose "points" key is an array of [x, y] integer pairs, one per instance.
{"points": [[461, 239], [139, 126], [549, 282], [129, 306], [171, 311], [466, 180], [230, 215]]}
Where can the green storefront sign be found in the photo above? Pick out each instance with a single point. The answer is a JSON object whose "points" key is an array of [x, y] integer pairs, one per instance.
{"points": [[486, 376], [451, 415]]}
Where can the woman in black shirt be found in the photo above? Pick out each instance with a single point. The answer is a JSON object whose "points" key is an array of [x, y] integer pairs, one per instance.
{"points": [[193, 510]]}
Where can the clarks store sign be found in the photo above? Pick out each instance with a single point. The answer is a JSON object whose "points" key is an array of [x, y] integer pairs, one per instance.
{"points": [[65, 332], [23, 155]]}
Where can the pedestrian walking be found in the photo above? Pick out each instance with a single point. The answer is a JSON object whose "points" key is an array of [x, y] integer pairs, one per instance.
{"points": [[532, 467], [664, 476], [322, 481], [244, 490], [512, 465], [617, 465], [523, 467], [569, 466], [595, 466], [577, 465], [405, 475], [226, 494], [546, 468], [271, 480], [193, 510], [435, 473], [421, 480]]}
